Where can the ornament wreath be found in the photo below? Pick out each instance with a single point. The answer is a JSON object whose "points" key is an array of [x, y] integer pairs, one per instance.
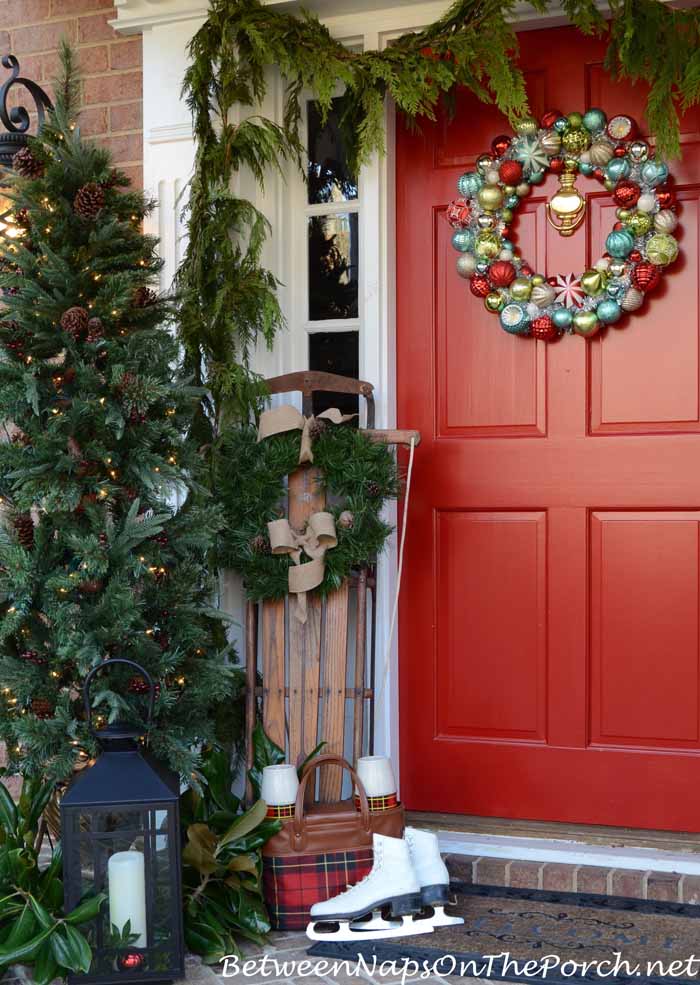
{"points": [[357, 474], [638, 248], [228, 299]]}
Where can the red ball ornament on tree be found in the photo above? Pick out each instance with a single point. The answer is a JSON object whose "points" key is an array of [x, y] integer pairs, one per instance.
{"points": [[543, 328], [501, 273], [526, 271], [665, 197], [619, 151], [549, 118], [511, 172], [646, 276], [133, 961], [499, 145], [556, 165], [599, 174], [626, 194], [552, 281], [635, 256], [479, 286]]}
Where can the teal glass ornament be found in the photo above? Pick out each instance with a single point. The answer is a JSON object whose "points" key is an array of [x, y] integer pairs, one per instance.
{"points": [[512, 202], [507, 244], [608, 311], [586, 168], [618, 168], [482, 267], [614, 289], [469, 184], [620, 243], [536, 177], [594, 120], [654, 173], [561, 124], [514, 320], [562, 318], [463, 240]]}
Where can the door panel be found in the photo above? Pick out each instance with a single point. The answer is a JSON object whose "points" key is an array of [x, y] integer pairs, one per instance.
{"points": [[549, 620]]}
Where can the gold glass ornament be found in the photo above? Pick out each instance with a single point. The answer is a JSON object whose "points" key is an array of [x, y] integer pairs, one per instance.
{"points": [[494, 301], [490, 197], [551, 142], [576, 140], [586, 323], [632, 300], [488, 244], [509, 189], [600, 152], [542, 295], [522, 189], [609, 184], [507, 215], [639, 223], [594, 282], [568, 205], [526, 127], [662, 249], [665, 221], [623, 214], [537, 279], [521, 288]]}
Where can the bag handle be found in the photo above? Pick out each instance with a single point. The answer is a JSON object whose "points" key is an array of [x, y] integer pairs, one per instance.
{"points": [[328, 759]]}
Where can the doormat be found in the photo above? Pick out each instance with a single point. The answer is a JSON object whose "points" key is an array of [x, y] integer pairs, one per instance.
{"points": [[531, 935]]}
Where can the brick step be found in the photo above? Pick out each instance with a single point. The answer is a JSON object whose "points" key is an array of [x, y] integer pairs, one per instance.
{"points": [[560, 877]]}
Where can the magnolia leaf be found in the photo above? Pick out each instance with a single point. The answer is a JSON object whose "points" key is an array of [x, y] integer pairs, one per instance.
{"points": [[245, 823], [200, 850], [87, 909], [243, 863]]}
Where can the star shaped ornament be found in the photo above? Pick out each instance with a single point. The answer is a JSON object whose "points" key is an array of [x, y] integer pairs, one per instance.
{"points": [[569, 291], [531, 154]]}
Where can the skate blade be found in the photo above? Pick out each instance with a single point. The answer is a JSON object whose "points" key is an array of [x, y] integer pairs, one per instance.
{"points": [[440, 919], [377, 922], [405, 927]]}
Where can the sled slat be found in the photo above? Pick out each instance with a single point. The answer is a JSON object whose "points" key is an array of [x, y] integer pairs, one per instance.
{"points": [[273, 671], [360, 657], [335, 660], [306, 496]]}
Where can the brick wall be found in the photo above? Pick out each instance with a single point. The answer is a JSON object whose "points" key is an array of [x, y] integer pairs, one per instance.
{"points": [[111, 67]]}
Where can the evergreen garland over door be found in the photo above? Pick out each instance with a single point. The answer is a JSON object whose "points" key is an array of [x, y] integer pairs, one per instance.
{"points": [[550, 611]]}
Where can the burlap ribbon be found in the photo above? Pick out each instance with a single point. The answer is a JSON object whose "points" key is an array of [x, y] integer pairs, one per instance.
{"points": [[319, 535], [286, 418]]}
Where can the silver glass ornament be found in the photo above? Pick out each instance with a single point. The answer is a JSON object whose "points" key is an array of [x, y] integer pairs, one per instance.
{"points": [[484, 163], [638, 151]]}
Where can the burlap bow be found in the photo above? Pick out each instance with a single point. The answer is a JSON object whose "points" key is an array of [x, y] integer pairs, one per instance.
{"points": [[319, 537], [286, 418]]}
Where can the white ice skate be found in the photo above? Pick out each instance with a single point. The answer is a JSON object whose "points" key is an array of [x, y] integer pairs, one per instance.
{"points": [[391, 886], [433, 877]]}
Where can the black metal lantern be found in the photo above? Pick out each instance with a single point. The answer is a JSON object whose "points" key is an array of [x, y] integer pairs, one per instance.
{"points": [[120, 832], [16, 121]]}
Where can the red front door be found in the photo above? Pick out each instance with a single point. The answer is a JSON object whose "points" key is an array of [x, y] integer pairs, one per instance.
{"points": [[549, 636]]}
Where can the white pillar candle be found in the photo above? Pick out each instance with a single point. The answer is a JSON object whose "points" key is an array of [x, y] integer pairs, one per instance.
{"points": [[127, 893]]}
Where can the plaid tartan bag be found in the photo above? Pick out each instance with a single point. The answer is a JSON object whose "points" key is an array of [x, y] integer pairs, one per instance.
{"points": [[321, 850]]}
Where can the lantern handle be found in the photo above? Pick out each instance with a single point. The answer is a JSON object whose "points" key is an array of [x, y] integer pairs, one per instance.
{"points": [[86, 695]]}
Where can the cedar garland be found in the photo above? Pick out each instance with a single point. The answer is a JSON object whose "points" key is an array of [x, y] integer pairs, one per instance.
{"points": [[228, 299]]}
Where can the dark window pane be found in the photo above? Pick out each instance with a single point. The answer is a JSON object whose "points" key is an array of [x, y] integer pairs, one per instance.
{"points": [[333, 266], [329, 177], [335, 352]]}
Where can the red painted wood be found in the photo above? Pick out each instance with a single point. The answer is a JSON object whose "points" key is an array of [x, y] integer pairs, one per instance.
{"points": [[549, 620]]}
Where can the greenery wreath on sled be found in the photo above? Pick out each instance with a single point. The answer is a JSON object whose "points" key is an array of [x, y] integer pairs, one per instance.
{"points": [[638, 248], [358, 475]]}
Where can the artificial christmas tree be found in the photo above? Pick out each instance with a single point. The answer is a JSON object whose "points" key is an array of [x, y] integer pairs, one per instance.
{"points": [[96, 560]]}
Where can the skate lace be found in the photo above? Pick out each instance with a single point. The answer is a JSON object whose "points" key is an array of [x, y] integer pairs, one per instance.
{"points": [[375, 866]]}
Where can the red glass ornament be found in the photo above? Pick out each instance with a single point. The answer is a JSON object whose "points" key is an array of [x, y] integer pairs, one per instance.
{"points": [[501, 273], [626, 194], [510, 172], [635, 256], [458, 213], [130, 962], [499, 145], [646, 276], [543, 328], [619, 151], [479, 286], [665, 197], [556, 165], [549, 118], [622, 128], [599, 174], [526, 271], [552, 281], [619, 225]]}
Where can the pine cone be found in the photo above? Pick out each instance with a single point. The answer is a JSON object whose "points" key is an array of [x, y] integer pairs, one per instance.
{"points": [[260, 544], [26, 165], [144, 296], [373, 489], [75, 321], [316, 428], [90, 200], [24, 526], [42, 708], [95, 330]]}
